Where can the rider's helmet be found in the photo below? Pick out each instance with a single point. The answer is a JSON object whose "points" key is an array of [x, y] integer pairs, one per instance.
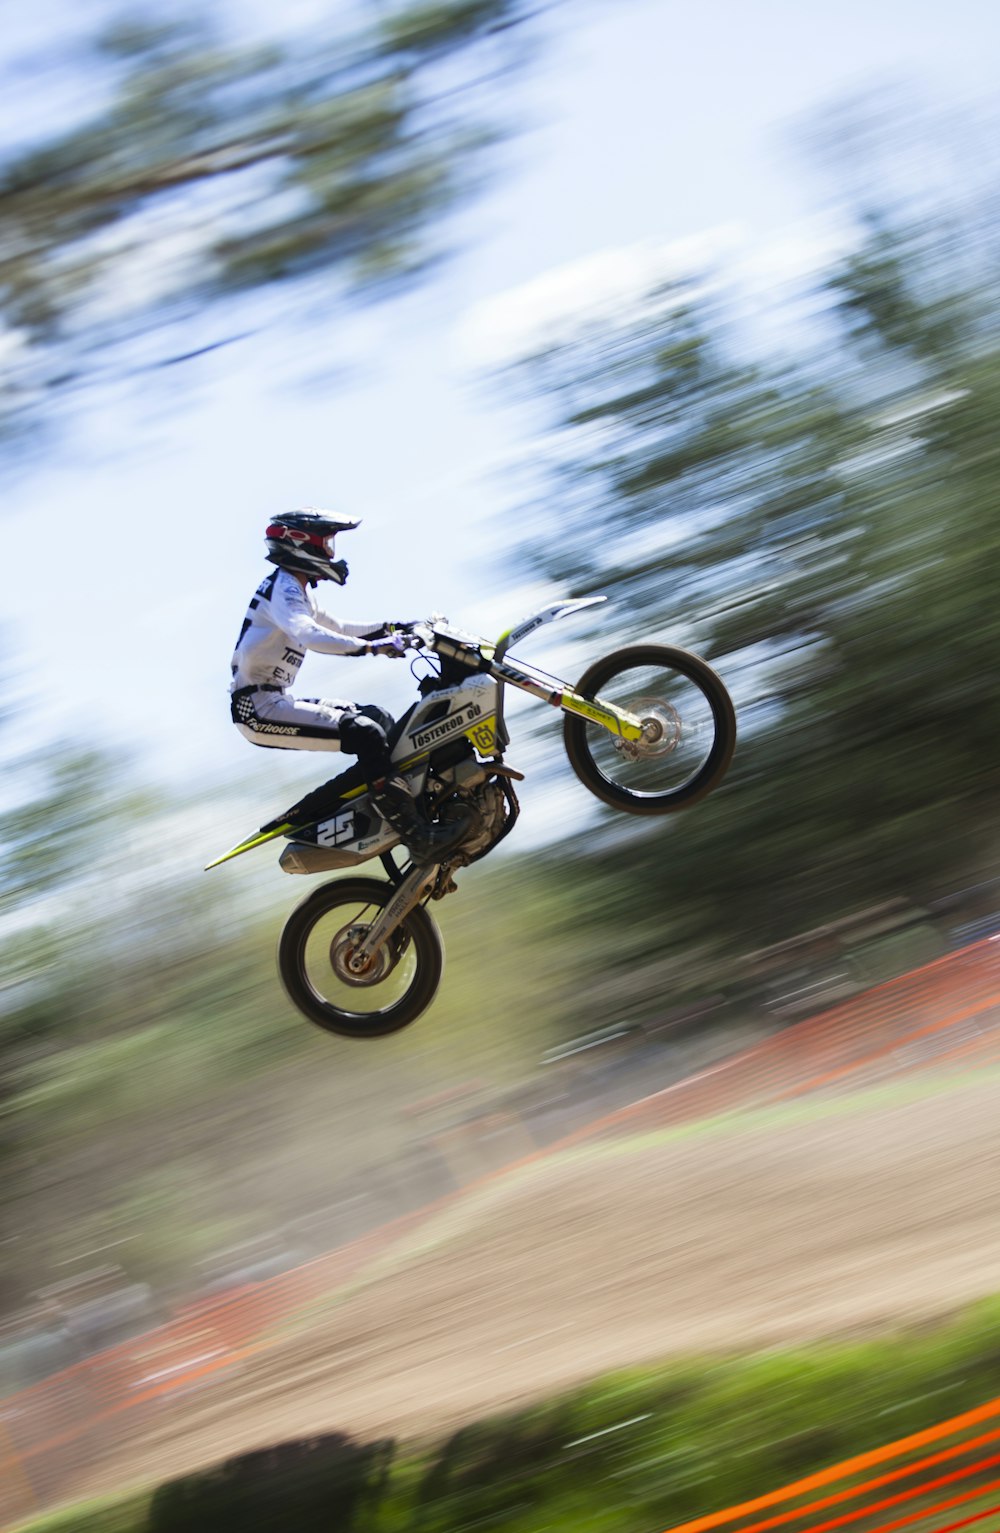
{"points": [[303, 541]]}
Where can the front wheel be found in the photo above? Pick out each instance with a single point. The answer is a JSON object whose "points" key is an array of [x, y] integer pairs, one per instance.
{"points": [[689, 730], [314, 954]]}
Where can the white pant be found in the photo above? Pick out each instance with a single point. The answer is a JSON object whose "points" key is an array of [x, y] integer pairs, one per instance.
{"points": [[290, 723]]}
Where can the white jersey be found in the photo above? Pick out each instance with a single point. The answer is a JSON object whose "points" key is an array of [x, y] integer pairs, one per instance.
{"points": [[282, 622]]}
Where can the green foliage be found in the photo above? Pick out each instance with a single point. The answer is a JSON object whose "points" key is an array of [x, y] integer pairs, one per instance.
{"points": [[118, 1514], [438, 28], [63, 805], [822, 524]]}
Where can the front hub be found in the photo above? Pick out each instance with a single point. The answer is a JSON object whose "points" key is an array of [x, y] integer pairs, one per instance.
{"points": [[662, 729], [351, 964]]}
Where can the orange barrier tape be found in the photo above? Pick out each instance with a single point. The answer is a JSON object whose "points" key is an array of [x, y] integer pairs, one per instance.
{"points": [[814, 1082], [840, 1471], [14, 1462], [176, 1381], [940, 1506], [879, 1481], [952, 1527], [912, 1494]]}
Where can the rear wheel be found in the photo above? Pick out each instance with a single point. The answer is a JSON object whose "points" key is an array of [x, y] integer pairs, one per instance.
{"points": [[320, 939], [689, 730]]}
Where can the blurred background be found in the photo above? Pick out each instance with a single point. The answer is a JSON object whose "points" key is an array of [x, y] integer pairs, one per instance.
{"points": [[695, 307]]}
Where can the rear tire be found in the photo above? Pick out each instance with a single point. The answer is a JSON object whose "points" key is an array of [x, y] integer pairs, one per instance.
{"points": [[311, 946], [690, 712]]}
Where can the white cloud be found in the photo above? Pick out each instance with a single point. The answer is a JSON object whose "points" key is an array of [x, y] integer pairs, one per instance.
{"points": [[610, 283], [509, 325], [150, 262], [801, 250], [13, 346]]}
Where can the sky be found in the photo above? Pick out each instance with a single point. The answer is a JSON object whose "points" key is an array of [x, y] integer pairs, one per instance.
{"points": [[644, 123]]}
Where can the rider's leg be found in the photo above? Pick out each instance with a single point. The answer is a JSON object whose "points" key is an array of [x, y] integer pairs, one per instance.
{"points": [[357, 735], [277, 719], [363, 736], [391, 795]]}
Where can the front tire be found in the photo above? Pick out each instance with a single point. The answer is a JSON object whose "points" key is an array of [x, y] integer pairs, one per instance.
{"points": [[316, 941], [691, 730]]}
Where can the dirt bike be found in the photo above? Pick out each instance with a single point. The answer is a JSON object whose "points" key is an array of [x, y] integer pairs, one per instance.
{"points": [[648, 730]]}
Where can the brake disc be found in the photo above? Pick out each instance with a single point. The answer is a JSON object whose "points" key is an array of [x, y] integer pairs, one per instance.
{"points": [[662, 729]]}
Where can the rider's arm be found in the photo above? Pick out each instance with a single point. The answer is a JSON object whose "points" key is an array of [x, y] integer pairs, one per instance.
{"points": [[353, 630], [295, 617]]}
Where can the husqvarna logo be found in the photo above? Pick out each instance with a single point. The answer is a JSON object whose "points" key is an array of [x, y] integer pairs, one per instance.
{"points": [[460, 720]]}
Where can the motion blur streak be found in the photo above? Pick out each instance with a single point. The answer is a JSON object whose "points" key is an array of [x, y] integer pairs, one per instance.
{"points": [[57, 1428], [779, 451]]}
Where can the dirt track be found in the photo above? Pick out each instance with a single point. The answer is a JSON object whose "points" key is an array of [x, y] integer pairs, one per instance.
{"points": [[766, 1231]]}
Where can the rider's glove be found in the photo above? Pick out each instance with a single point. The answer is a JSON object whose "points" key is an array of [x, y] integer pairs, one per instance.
{"points": [[392, 649]]}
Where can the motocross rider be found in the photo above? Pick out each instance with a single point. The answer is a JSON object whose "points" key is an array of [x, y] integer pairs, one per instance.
{"points": [[282, 622]]}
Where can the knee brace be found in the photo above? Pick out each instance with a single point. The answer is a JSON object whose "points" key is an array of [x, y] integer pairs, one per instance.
{"points": [[365, 738]]}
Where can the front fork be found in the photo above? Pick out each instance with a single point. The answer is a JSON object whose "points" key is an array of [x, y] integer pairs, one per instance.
{"points": [[625, 725], [413, 887], [616, 720]]}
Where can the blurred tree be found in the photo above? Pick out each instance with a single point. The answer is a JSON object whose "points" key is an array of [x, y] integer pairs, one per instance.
{"points": [[206, 169], [826, 528], [67, 807], [65, 799]]}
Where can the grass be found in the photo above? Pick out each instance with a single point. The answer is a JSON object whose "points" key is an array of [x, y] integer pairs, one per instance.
{"points": [[633, 1452]]}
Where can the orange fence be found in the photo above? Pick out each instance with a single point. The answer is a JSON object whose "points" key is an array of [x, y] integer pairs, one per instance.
{"points": [[947, 1013], [54, 1432], [921, 1496]]}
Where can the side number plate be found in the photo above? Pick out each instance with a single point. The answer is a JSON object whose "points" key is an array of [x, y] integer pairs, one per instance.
{"points": [[336, 831]]}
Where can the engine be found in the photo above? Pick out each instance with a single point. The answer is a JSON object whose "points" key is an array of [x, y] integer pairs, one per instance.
{"points": [[489, 809]]}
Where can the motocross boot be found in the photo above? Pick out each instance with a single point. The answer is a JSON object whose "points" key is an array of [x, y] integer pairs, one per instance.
{"points": [[424, 842]]}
